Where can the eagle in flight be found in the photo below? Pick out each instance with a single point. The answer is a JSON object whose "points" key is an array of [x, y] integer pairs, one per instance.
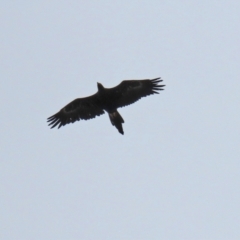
{"points": [[106, 99]]}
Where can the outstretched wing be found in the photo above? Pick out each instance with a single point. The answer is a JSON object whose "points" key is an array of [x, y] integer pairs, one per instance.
{"points": [[80, 108], [130, 91]]}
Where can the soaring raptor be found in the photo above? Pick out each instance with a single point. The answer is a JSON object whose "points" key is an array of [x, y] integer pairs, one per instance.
{"points": [[106, 99]]}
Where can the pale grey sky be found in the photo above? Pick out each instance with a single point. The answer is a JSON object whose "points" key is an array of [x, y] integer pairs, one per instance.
{"points": [[174, 174]]}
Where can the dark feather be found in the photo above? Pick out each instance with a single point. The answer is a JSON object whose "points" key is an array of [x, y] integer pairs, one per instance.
{"points": [[80, 108], [130, 91]]}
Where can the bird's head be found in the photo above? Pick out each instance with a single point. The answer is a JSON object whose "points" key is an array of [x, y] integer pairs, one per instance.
{"points": [[100, 87]]}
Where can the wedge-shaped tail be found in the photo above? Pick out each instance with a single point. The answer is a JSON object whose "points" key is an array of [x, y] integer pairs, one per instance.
{"points": [[116, 120]]}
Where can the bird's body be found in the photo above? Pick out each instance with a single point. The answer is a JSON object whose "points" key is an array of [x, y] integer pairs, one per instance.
{"points": [[106, 99]]}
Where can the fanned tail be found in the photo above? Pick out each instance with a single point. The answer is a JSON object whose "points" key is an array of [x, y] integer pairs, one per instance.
{"points": [[116, 120]]}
